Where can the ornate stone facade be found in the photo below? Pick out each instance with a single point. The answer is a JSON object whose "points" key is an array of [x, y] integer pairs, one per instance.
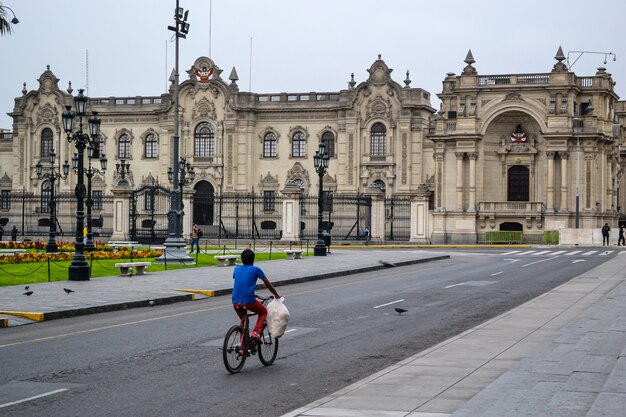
{"points": [[504, 152]]}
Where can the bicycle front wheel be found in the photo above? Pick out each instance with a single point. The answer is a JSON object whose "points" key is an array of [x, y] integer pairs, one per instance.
{"points": [[268, 348], [233, 352]]}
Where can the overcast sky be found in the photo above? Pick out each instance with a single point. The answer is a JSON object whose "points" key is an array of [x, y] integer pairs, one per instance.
{"points": [[301, 45]]}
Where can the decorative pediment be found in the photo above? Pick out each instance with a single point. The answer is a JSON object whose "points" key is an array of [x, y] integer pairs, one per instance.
{"points": [[297, 172], [268, 181], [380, 73], [379, 107], [204, 109], [204, 70], [48, 82], [5, 181], [149, 180]]}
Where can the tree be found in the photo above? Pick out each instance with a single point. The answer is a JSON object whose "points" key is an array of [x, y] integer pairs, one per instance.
{"points": [[5, 25]]}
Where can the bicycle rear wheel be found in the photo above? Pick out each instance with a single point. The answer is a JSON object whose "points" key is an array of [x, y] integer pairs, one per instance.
{"points": [[233, 353], [268, 348]]}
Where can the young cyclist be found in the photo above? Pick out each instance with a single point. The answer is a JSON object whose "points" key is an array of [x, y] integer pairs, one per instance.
{"points": [[245, 277]]}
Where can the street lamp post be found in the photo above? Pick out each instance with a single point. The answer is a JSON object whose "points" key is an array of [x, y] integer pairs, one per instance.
{"points": [[186, 176], [79, 269], [320, 160], [89, 173], [53, 175], [175, 244]]}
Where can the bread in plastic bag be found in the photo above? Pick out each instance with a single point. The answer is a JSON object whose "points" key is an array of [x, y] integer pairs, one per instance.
{"points": [[277, 317]]}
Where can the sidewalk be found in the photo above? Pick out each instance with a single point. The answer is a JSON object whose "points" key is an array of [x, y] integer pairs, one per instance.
{"points": [[562, 354], [50, 301]]}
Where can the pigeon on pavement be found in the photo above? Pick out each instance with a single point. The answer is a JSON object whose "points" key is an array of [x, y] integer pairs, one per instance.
{"points": [[400, 310], [67, 290], [28, 293], [26, 287]]}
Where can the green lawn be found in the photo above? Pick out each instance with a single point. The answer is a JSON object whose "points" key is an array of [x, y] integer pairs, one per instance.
{"points": [[34, 272]]}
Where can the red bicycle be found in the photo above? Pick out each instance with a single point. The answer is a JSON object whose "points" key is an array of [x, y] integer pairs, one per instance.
{"points": [[239, 345]]}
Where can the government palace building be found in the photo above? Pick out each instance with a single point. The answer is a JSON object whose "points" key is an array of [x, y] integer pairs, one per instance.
{"points": [[507, 152]]}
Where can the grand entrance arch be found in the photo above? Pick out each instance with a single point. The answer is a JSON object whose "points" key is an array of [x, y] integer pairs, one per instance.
{"points": [[204, 204]]}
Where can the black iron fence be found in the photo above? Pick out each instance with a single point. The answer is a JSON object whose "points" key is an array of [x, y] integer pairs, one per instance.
{"points": [[398, 218], [30, 213], [344, 216]]}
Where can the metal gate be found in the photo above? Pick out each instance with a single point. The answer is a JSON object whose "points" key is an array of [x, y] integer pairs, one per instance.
{"points": [[149, 206], [237, 215], [398, 218], [343, 215]]}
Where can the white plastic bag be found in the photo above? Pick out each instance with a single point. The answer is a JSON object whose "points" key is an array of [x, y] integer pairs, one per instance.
{"points": [[277, 317]]}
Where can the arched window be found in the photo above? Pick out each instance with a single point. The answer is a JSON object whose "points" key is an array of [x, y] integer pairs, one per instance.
{"points": [[45, 197], [204, 141], [98, 147], [379, 140], [123, 147], [269, 145], [328, 139], [150, 146], [46, 144], [298, 145]]}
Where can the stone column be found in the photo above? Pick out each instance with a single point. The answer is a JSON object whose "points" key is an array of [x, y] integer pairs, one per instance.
{"points": [[187, 208], [121, 213], [550, 187], [459, 180], [564, 181], [377, 228], [291, 212], [472, 181], [439, 158], [419, 215]]}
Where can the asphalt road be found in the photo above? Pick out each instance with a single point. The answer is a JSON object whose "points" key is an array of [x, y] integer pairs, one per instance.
{"points": [[166, 361]]}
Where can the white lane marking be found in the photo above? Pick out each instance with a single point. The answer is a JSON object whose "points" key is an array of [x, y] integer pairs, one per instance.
{"points": [[510, 253], [559, 252], [608, 252], [291, 330], [591, 252], [526, 253], [541, 253], [388, 304], [543, 260], [512, 260], [578, 260], [454, 285], [34, 397], [497, 273], [572, 253]]}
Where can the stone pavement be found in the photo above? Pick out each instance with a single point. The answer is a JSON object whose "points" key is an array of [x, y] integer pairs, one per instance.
{"points": [[49, 300], [562, 354]]}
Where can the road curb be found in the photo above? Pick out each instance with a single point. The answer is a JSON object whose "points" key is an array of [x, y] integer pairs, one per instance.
{"points": [[53, 315]]}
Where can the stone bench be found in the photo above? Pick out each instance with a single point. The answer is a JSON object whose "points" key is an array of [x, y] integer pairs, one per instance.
{"points": [[294, 253], [226, 260], [127, 267], [11, 251], [120, 244]]}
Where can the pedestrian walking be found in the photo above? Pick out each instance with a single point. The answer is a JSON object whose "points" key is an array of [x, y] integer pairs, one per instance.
{"points": [[605, 234], [621, 236], [366, 232], [14, 233], [195, 238]]}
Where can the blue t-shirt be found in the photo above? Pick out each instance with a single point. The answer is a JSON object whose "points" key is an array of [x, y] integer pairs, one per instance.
{"points": [[245, 277]]}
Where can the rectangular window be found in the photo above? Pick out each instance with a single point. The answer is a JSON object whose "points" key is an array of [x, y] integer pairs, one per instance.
{"points": [[5, 200], [269, 148], [96, 196], [269, 200]]}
